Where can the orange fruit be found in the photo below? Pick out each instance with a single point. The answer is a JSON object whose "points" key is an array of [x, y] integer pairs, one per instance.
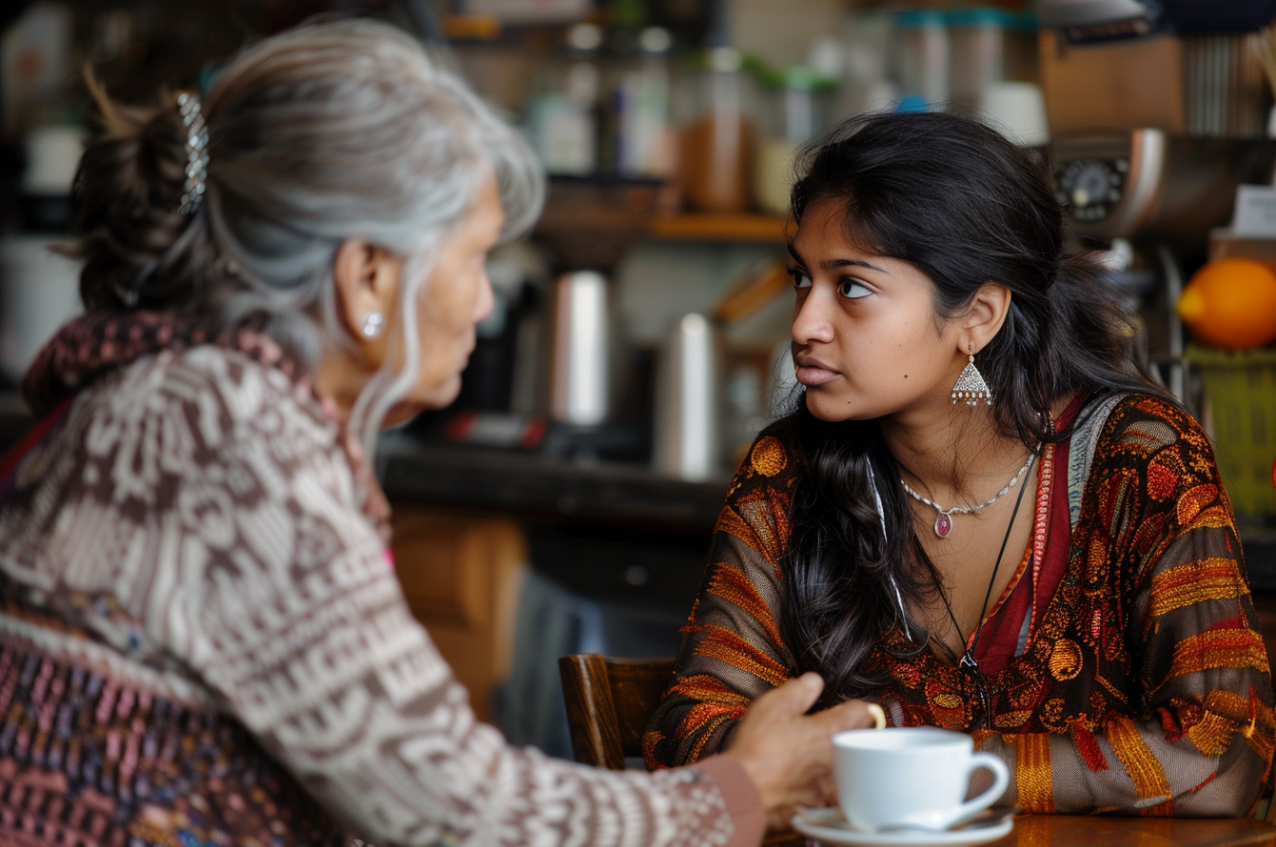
{"points": [[1231, 303]]}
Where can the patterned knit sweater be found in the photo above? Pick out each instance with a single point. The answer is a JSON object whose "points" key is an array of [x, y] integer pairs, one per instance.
{"points": [[202, 641], [1144, 689]]}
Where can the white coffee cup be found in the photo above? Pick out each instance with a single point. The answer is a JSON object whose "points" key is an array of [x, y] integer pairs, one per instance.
{"points": [[915, 777]]}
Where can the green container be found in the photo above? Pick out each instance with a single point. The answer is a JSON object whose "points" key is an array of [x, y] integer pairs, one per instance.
{"points": [[1240, 393]]}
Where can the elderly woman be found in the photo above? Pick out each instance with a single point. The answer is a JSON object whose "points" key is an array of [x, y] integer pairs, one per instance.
{"points": [[202, 640]]}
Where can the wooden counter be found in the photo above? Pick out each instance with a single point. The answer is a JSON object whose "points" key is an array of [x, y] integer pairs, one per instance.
{"points": [[1077, 831]]}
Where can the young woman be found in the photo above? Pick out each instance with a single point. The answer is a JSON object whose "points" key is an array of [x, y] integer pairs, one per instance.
{"points": [[979, 515], [202, 640]]}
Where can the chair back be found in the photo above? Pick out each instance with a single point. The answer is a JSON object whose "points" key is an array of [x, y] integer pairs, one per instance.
{"points": [[608, 704]]}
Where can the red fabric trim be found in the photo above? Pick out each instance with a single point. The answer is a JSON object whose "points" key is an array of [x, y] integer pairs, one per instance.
{"points": [[1088, 748], [1207, 781], [1001, 630], [10, 459], [1000, 634], [1059, 535]]}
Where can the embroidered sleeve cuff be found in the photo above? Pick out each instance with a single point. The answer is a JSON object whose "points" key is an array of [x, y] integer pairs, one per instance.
{"points": [[744, 803]]}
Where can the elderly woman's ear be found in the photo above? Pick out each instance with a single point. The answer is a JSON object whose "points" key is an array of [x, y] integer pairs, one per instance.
{"points": [[367, 281]]}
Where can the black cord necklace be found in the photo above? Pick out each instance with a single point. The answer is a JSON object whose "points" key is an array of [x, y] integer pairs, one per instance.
{"points": [[969, 664]]}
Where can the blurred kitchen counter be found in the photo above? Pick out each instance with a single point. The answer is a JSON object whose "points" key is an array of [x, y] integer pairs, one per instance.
{"points": [[538, 486]]}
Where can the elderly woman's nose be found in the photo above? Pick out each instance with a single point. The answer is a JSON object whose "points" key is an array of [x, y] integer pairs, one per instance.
{"points": [[486, 300]]}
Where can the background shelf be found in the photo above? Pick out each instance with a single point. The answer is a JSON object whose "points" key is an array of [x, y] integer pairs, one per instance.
{"points": [[737, 228]]}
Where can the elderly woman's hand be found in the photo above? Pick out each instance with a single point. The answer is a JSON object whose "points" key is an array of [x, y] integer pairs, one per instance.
{"points": [[788, 753]]}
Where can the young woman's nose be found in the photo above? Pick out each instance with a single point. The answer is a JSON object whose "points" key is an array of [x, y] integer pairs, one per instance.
{"points": [[812, 320]]}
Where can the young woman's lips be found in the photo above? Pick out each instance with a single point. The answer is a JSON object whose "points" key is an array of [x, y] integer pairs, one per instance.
{"points": [[813, 374]]}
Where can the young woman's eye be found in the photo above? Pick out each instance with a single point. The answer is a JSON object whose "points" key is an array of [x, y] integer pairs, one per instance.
{"points": [[852, 289], [800, 279]]}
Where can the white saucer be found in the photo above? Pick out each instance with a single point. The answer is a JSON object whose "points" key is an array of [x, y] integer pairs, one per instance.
{"points": [[830, 827]]}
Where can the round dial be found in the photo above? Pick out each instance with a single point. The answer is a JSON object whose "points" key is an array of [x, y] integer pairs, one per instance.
{"points": [[1089, 188]]}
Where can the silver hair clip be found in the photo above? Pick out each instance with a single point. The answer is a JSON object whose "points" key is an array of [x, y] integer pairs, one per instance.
{"points": [[196, 153]]}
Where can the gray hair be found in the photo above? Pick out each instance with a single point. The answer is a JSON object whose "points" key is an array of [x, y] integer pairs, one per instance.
{"points": [[348, 130], [328, 132]]}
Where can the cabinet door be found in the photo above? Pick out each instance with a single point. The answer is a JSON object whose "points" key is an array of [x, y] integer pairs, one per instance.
{"points": [[461, 576]]}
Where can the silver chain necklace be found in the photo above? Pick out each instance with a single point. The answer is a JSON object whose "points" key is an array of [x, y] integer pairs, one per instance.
{"points": [[944, 521]]}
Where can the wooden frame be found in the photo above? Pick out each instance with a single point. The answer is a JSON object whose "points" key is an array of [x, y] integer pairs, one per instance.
{"points": [[609, 702]]}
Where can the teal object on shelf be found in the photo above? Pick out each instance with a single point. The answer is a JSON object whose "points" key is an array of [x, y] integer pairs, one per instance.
{"points": [[912, 103], [985, 16], [917, 18]]}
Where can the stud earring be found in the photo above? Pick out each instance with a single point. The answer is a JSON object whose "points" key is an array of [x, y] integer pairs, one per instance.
{"points": [[373, 323], [971, 386]]}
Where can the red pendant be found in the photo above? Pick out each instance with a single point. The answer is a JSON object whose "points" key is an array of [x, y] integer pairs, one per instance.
{"points": [[943, 525]]}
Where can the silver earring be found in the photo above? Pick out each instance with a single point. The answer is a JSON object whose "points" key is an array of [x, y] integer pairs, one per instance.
{"points": [[971, 386], [373, 323]]}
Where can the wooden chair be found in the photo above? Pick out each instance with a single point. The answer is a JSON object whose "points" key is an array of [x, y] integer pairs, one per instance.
{"points": [[609, 702], [1265, 607]]}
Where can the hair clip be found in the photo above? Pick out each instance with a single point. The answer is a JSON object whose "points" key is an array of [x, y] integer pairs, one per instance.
{"points": [[196, 153]]}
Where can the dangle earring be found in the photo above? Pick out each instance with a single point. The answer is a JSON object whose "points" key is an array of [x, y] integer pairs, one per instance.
{"points": [[373, 324], [971, 386]]}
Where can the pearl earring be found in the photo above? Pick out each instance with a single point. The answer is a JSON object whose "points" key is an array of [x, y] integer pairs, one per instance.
{"points": [[373, 323]]}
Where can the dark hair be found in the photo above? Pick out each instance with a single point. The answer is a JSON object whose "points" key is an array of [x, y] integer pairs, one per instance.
{"points": [[126, 198], [958, 201]]}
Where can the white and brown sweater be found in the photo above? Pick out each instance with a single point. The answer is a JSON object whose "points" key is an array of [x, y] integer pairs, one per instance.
{"points": [[202, 641]]}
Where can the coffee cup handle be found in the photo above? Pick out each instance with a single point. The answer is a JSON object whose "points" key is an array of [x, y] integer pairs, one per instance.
{"points": [[1000, 782]]}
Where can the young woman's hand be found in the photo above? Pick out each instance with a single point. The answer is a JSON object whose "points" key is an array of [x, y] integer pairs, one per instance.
{"points": [[788, 753]]}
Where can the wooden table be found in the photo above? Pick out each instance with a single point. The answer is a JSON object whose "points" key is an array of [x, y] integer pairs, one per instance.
{"points": [[1083, 831], [1069, 830]]}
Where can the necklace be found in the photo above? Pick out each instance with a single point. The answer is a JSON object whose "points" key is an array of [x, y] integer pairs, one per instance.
{"points": [[944, 521], [969, 664]]}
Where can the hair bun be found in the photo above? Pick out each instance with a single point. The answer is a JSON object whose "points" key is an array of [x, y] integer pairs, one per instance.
{"points": [[126, 196]]}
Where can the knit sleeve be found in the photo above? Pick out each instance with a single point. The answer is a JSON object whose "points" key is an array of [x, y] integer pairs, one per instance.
{"points": [[277, 594], [1200, 740], [731, 649]]}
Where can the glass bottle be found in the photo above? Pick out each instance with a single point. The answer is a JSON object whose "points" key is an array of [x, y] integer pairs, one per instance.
{"points": [[716, 162], [640, 103], [796, 106], [562, 117]]}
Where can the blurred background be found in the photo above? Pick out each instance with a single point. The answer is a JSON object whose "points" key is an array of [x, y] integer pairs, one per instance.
{"points": [[565, 501]]}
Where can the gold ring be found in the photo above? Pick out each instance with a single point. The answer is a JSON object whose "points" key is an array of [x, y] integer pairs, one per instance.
{"points": [[879, 717]]}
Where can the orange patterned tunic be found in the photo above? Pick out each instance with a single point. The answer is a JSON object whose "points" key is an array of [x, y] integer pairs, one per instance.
{"points": [[1144, 688]]}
